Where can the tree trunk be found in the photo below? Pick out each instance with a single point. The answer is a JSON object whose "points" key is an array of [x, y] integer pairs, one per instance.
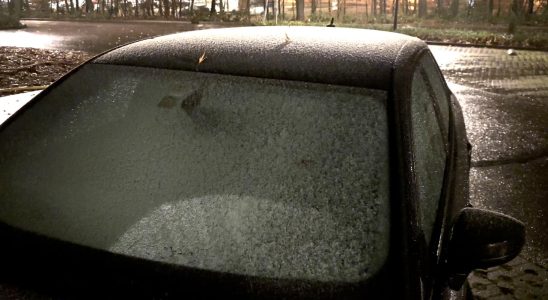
{"points": [[136, 8], [167, 9], [454, 8], [373, 7], [16, 12], [26, 5], [530, 6], [77, 5], [313, 6], [300, 10], [191, 9], [422, 8], [440, 6], [514, 8], [395, 13], [276, 9], [213, 10], [265, 10], [248, 9], [117, 8]]}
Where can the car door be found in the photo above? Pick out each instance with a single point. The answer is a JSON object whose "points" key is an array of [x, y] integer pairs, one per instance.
{"points": [[430, 164]]}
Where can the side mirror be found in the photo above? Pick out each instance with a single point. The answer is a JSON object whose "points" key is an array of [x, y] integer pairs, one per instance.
{"points": [[482, 239]]}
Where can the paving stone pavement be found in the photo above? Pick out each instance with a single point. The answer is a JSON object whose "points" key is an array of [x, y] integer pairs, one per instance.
{"points": [[524, 75], [518, 279]]}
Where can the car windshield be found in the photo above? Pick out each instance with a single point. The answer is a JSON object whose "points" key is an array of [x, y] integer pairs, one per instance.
{"points": [[233, 174]]}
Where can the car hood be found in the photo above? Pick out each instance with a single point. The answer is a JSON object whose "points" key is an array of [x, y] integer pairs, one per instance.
{"points": [[9, 105]]}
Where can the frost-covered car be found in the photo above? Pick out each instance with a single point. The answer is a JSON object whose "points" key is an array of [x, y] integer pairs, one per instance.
{"points": [[250, 162]]}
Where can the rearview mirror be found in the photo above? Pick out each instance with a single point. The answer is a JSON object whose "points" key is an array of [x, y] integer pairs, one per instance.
{"points": [[482, 239]]}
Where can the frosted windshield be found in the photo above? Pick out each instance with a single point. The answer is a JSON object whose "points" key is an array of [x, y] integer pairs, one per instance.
{"points": [[241, 175]]}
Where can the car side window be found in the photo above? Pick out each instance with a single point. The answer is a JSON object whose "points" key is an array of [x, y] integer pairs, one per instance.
{"points": [[435, 83], [429, 151]]}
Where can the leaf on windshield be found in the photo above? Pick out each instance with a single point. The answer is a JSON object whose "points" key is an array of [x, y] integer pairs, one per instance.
{"points": [[202, 58]]}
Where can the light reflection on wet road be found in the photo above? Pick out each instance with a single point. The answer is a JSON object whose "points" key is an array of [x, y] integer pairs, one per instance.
{"points": [[92, 37]]}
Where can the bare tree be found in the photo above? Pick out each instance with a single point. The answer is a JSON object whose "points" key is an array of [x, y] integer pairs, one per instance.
{"points": [[167, 9], [26, 5], [300, 10], [173, 7], [213, 10], [455, 8], [422, 8], [530, 6], [440, 8], [395, 13], [489, 9], [14, 9]]}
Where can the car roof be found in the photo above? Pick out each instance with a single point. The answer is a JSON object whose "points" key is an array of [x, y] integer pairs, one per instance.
{"points": [[344, 56]]}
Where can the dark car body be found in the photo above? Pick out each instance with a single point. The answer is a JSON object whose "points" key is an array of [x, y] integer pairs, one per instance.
{"points": [[427, 238]]}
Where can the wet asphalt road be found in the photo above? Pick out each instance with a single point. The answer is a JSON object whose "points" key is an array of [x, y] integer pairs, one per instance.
{"points": [[505, 104], [92, 37]]}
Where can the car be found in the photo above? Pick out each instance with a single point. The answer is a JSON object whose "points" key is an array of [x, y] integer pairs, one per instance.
{"points": [[258, 162]]}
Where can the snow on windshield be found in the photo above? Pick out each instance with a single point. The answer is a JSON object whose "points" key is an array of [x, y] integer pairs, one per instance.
{"points": [[241, 175]]}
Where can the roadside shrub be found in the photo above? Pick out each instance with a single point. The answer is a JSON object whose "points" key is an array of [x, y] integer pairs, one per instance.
{"points": [[320, 17], [9, 22]]}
